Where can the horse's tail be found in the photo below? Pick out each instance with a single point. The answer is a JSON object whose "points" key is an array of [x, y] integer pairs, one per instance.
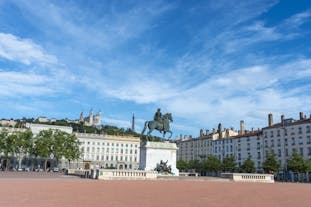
{"points": [[145, 127]]}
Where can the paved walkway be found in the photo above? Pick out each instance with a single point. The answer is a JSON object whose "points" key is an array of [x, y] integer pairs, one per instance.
{"points": [[33, 175], [84, 192]]}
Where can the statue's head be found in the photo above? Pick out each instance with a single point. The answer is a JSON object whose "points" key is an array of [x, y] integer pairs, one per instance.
{"points": [[159, 109]]}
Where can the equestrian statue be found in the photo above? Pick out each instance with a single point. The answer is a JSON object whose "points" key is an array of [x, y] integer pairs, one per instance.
{"points": [[160, 123]]}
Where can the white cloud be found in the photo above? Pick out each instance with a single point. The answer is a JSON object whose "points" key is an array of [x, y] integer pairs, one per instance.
{"points": [[106, 30], [117, 122], [195, 85], [298, 19], [25, 51], [248, 93], [14, 84], [122, 123], [142, 91]]}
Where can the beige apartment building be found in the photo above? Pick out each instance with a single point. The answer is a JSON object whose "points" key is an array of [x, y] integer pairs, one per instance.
{"points": [[106, 151], [282, 137]]}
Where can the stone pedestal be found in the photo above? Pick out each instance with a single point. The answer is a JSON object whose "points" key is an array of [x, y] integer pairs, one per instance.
{"points": [[151, 154]]}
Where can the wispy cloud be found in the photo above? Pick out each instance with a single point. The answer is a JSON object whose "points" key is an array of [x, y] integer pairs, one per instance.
{"points": [[121, 123], [244, 93], [23, 50], [117, 122], [110, 26], [298, 19], [35, 72], [205, 62], [15, 84]]}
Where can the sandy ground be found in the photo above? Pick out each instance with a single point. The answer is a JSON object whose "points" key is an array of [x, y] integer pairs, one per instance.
{"points": [[63, 192]]}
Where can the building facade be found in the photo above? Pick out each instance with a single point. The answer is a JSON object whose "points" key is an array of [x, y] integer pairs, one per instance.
{"points": [[105, 151], [286, 136], [98, 150], [7, 122], [36, 128], [282, 138]]}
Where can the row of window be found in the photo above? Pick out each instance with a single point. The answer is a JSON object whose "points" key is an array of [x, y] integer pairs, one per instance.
{"points": [[278, 153], [110, 158], [109, 150], [293, 141], [109, 144], [278, 132]]}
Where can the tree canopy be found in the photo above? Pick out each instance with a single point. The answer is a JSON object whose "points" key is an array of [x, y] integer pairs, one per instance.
{"points": [[47, 144], [271, 165], [297, 163], [182, 165], [248, 166], [212, 163], [228, 164]]}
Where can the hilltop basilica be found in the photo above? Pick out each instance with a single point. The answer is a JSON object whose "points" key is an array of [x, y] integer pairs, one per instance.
{"points": [[91, 120]]}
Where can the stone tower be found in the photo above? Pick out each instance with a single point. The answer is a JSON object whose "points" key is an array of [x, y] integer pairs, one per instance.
{"points": [[81, 117], [133, 123], [91, 117], [98, 118]]}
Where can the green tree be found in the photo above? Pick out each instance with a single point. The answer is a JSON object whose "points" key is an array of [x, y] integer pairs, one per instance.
{"points": [[59, 139], [248, 166], [229, 164], [212, 163], [182, 165], [271, 165], [194, 164], [71, 148], [5, 147], [297, 163], [57, 143], [24, 142], [34, 153], [8, 146], [44, 145]]}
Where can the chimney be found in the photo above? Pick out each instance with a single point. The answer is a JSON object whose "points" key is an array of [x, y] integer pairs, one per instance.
{"points": [[207, 132], [214, 131], [301, 115], [201, 132], [227, 133], [282, 118], [220, 130], [242, 130], [270, 119]]}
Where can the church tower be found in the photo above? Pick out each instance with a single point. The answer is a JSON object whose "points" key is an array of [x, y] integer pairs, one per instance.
{"points": [[81, 117], [91, 118], [98, 119], [133, 123]]}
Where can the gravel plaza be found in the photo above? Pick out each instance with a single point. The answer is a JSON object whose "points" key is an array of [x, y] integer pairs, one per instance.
{"points": [[54, 189]]}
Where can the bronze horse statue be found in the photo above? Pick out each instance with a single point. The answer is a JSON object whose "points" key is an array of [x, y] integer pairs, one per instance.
{"points": [[162, 126]]}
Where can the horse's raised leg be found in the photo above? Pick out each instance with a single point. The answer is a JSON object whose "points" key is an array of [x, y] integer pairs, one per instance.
{"points": [[170, 133], [148, 134]]}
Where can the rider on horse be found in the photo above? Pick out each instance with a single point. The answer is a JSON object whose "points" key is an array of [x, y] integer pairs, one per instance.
{"points": [[158, 116], [160, 123]]}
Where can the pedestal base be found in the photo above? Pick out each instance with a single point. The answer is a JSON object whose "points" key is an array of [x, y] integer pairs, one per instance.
{"points": [[151, 154]]}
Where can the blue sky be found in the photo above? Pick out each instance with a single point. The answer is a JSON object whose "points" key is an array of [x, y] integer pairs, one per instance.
{"points": [[204, 61]]}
